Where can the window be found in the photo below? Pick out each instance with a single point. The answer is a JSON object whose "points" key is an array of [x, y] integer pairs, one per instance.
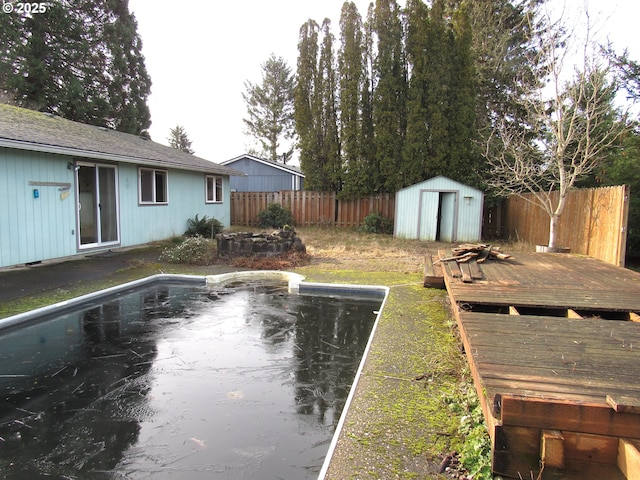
{"points": [[153, 186], [214, 189]]}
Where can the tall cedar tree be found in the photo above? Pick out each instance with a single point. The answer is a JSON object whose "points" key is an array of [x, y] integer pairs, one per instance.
{"points": [[179, 139], [79, 60], [307, 106], [465, 162], [371, 181], [270, 108], [438, 96], [389, 96], [330, 151], [351, 78], [415, 153]]}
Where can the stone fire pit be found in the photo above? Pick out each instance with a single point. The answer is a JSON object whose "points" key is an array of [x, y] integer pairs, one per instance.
{"points": [[245, 244]]}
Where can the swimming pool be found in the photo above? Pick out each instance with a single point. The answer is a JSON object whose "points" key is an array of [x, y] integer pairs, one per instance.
{"points": [[172, 377]]}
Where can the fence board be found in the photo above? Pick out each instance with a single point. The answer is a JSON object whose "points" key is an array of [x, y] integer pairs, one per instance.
{"points": [[310, 208], [594, 222]]}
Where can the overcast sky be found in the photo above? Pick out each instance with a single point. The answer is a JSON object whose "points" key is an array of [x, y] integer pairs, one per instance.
{"points": [[200, 53]]}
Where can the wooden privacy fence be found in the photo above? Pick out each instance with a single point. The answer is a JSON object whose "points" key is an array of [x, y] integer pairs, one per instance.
{"points": [[594, 222], [311, 208]]}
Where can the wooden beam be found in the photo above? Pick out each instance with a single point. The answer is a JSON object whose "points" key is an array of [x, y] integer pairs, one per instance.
{"points": [[552, 449], [595, 418], [624, 404], [433, 275], [629, 458]]}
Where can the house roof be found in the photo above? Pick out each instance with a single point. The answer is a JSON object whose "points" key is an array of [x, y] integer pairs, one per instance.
{"points": [[36, 131], [280, 166]]}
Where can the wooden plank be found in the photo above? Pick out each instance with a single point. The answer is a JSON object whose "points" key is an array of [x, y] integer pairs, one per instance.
{"points": [[634, 317], [573, 314], [513, 310], [476, 272], [466, 272], [558, 415], [625, 404], [629, 458], [433, 275], [552, 448]]}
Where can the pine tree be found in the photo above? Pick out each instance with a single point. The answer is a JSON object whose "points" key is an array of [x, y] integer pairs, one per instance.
{"points": [[270, 108], [79, 60], [179, 139]]}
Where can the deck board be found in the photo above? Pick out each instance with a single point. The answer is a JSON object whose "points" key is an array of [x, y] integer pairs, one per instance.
{"points": [[548, 371]]}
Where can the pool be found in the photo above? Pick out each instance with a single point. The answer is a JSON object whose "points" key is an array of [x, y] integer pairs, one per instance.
{"points": [[234, 376]]}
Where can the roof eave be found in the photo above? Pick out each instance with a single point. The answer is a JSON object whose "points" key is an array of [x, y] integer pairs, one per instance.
{"points": [[60, 150]]}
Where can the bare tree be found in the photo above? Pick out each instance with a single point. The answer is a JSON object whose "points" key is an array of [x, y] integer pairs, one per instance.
{"points": [[571, 125]]}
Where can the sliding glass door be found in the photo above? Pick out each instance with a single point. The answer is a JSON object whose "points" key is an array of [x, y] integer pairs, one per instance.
{"points": [[97, 197]]}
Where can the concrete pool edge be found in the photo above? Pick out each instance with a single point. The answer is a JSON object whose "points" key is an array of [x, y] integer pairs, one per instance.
{"points": [[296, 285]]}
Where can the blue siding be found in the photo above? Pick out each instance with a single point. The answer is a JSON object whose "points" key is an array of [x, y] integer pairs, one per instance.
{"points": [[44, 228], [261, 177], [460, 208], [33, 229]]}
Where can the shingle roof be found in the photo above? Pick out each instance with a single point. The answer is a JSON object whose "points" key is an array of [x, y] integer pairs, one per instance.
{"points": [[36, 131]]}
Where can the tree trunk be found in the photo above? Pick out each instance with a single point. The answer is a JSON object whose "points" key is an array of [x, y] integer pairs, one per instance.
{"points": [[553, 229]]}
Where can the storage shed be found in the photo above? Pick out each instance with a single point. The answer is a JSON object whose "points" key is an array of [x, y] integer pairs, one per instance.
{"points": [[439, 209]]}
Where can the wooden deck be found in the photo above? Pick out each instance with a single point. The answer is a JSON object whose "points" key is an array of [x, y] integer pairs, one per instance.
{"points": [[553, 342]]}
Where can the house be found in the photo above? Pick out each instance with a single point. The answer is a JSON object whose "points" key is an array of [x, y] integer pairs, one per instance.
{"points": [[68, 188], [263, 175], [439, 209]]}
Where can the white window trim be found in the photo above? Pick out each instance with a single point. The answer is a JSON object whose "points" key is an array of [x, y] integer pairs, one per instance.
{"points": [[154, 170], [206, 188]]}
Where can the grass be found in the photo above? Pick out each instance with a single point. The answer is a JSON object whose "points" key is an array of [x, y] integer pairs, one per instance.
{"points": [[415, 401]]}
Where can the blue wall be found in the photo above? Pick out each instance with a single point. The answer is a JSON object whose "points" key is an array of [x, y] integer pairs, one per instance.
{"points": [[43, 228], [261, 177]]}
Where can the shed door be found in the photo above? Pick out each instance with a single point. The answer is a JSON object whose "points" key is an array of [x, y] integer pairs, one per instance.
{"points": [[97, 205], [447, 217], [428, 221]]}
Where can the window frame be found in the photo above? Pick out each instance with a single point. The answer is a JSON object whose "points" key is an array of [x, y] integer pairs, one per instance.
{"points": [[215, 179], [155, 174]]}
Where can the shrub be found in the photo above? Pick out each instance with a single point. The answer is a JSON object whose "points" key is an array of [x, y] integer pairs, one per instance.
{"points": [[204, 227], [376, 223], [275, 216], [194, 250]]}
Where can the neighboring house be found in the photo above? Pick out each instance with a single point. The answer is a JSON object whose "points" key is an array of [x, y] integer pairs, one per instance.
{"points": [[263, 175], [69, 188], [439, 209]]}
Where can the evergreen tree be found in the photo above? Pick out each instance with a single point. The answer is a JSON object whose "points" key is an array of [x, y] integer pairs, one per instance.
{"points": [[79, 60], [438, 52], [389, 99], [330, 143], [270, 108], [415, 149], [307, 106], [179, 139], [351, 73], [465, 164]]}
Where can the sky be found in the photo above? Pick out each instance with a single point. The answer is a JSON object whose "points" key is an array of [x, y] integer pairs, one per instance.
{"points": [[200, 53]]}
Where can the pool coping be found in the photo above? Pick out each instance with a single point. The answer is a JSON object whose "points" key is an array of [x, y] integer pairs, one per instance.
{"points": [[296, 285]]}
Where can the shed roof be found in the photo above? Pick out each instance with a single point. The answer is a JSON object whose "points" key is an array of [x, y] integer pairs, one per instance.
{"points": [[36, 131], [280, 166], [440, 180]]}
